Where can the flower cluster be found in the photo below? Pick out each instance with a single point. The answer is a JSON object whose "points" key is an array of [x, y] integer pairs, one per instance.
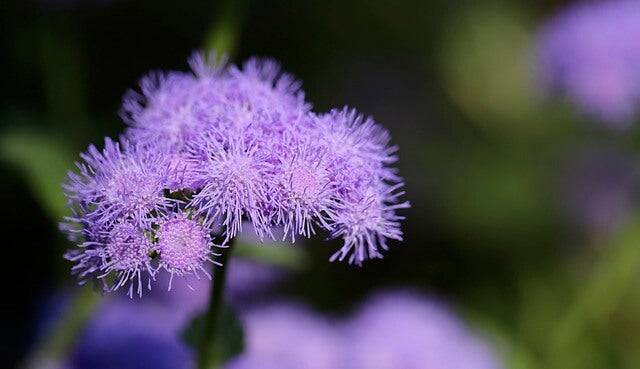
{"points": [[590, 51], [208, 149]]}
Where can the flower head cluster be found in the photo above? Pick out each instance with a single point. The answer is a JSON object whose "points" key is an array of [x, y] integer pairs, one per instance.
{"points": [[591, 52], [219, 146]]}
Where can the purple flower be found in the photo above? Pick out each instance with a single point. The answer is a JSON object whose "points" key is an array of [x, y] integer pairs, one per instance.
{"points": [[590, 52], [369, 188], [123, 335], [172, 107], [304, 192], [126, 252], [236, 175], [124, 181], [210, 149], [183, 246], [391, 330], [406, 330], [289, 336]]}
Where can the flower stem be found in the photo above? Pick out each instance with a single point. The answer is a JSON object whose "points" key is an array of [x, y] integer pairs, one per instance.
{"points": [[212, 317]]}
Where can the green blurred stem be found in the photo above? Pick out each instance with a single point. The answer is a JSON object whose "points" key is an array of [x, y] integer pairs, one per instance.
{"points": [[207, 345], [598, 297], [62, 336], [223, 35]]}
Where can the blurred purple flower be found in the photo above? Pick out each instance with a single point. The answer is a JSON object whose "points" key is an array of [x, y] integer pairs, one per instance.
{"points": [[391, 330], [404, 330], [123, 335], [590, 52], [289, 337]]}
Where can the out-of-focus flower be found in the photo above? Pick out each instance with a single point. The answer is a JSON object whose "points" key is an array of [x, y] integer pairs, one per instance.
{"points": [[405, 330], [122, 335], [289, 336], [391, 330], [597, 188], [590, 52]]}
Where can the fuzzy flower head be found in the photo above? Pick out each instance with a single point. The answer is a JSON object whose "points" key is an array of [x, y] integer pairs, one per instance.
{"points": [[184, 246], [172, 107], [366, 222], [305, 189], [236, 175], [590, 52], [127, 252], [124, 181]]}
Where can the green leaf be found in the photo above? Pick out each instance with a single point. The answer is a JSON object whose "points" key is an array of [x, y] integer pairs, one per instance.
{"points": [[44, 160], [229, 336]]}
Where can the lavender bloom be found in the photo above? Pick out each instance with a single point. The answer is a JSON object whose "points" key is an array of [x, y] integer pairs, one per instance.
{"points": [[391, 330], [126, 252], [210, 149], [590, 52], [124, 181], [235, 174], [116, 199], [184, 246]]}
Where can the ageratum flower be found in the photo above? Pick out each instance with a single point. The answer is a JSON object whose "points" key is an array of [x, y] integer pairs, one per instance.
{"points": [[590, 52], [183, 246], [208, 149], [236, 175], [124, 181]]}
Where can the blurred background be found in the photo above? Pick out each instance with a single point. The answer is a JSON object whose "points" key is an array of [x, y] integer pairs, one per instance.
{"points": [[523, 216]]}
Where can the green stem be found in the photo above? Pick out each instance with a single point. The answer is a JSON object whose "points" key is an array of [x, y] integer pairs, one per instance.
{"points": [[598, 298], [212, 317], [62, 336]]}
